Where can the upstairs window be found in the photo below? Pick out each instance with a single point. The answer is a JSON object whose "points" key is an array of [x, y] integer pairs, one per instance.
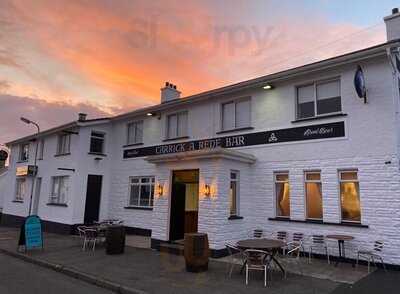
{"points": [[64, 142], [40, 149], [59, 190], [135, 132], [177, 125], [24, 152], [97, 142], [235, 114], [141, 193], [20, 189], [318, 98]]}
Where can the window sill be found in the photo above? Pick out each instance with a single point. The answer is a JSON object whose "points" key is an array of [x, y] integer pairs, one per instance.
{"points": [[138, 208], [18, 201], [62, 154], [133, 144], [97, 154], [235, 217], [235, 130], [22, 161], [310, 221], [57, 204], [177, 138], [318, 117]]}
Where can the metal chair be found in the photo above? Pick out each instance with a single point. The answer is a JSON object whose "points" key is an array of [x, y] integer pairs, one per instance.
{"points": [[90, 236], [256, 234], [296, 245], [236, 256], [257, 260], [318, 242], [291, 259], [371, 254]]}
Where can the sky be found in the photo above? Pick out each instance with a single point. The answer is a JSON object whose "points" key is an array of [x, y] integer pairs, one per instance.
{"points": [[104, 57]]}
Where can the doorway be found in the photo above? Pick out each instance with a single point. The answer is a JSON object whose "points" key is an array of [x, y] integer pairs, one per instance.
{"points": [[35, 206], [184, 203], [93, 196]]}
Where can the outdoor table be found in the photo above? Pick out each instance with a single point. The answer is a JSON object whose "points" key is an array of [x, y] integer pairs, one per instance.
{"points": [[269, 245], [340, 239]]}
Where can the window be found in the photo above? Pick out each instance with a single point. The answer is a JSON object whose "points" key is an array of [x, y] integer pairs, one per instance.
{"points": [[97, 142], [24, 152], [349, 196], [234, 194], [40, 149], [64, 141], [59, 190], [177, 125], [282, 194], [236, 114], [135, 132], [318, 99], [313, 189], [141, 192], [20, 190]]}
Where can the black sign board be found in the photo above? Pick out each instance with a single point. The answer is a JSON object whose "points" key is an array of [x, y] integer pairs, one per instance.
{"points": [[321, 131]]}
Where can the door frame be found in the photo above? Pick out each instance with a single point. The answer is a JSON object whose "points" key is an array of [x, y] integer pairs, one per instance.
{"points": [[86, 195], [172, 176]]}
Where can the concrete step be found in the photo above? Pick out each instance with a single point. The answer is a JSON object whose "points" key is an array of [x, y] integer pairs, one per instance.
{"points": [[172, 248]]}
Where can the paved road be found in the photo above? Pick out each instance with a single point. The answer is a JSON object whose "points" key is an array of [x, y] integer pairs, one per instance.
{"points": [[19, 277]]}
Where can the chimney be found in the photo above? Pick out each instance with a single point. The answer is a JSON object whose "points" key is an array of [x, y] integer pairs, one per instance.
{"points": [[393, 25], [169, 93], [82, 116]]}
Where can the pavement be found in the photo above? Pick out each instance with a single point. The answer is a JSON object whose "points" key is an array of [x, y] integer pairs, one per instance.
{"points": [[19, 277], [142, 270]]}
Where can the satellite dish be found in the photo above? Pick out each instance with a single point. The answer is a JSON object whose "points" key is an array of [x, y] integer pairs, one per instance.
{"points": [[359, 84]]}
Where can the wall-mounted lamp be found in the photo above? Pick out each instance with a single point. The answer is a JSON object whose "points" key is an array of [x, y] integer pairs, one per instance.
{"points": [[268, 87], [160, 190], [150, 114], [207, 190]]}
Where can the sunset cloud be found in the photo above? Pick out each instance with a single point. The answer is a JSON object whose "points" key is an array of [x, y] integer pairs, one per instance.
{"points": [[115, 55]]}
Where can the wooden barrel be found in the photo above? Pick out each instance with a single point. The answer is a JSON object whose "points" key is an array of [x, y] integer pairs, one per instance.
{"points": [[115, 239], [196, 252]]}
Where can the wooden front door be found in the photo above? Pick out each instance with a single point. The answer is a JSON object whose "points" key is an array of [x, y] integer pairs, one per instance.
{"points": [[93, 196]]}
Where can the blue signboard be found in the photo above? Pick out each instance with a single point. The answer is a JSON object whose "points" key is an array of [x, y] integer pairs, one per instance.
{"points": [[33, 232]]}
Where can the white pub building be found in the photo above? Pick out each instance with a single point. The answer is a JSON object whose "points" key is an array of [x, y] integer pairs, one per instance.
{"points": [[313, 149]]}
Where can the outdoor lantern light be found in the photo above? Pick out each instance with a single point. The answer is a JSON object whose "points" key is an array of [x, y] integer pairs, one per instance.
{"points": [[149, 114], [268, 87], [207, 190], [160, 190]]}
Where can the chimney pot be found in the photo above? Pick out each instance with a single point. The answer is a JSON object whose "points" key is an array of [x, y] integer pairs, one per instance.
{"points": [[169, 93], [82, 116], [393, 25]]}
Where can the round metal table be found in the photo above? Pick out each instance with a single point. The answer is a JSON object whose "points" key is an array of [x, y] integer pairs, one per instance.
{"points": [[340, 239], [270, 245]]}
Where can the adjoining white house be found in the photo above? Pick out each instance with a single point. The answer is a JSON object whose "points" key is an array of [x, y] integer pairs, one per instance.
{"points": [[296, 150]]}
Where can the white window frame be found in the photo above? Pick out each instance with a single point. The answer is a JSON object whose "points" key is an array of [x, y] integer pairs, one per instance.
{"points": [[21, 152], [139, 184], [276, 181], [235, 102], [40, 149], [340, 192], [19, 195], [135, 138], [315, 83], [95, 134], [237, 181], [56, 198], [305, 193], [177, 135], [62, 147]]}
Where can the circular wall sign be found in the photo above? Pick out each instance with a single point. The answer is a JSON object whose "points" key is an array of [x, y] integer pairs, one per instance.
{"points": [[3, 155], [359, 83]]}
